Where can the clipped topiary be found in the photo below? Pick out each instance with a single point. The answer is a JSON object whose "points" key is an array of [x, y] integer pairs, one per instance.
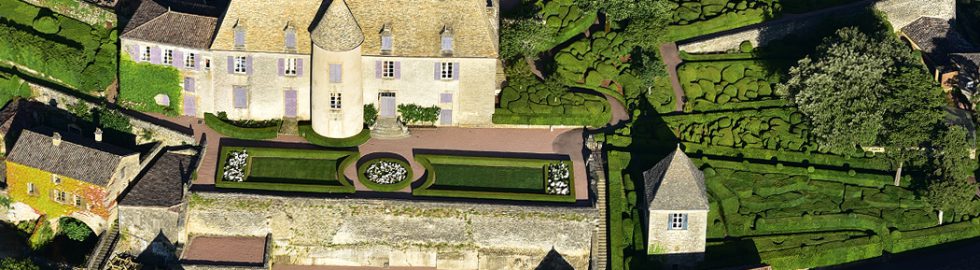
{"points": [[711, 73], [733, 73], [47, 25], [745, 46]]}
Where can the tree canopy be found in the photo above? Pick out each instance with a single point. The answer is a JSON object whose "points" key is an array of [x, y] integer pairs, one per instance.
{"points": [[74, 229], [17, 264], [846, 86]]}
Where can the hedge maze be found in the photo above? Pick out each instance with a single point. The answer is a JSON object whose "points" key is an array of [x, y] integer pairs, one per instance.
{"points": [[686, 12], [527, 100]]}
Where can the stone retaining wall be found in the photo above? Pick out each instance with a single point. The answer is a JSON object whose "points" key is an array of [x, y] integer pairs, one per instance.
{"points": [[899, 12], [378, 233], [167, 136]]}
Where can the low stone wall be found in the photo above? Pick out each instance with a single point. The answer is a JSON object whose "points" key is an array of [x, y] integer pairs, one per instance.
{"points": [[167, 136], [358, 232], [899, 12]]}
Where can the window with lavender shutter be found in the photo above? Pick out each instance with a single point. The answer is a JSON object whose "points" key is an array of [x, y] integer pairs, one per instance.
{"points": [[446, 97], [335, 73], [240, 96], [134, 52], [282, 67], [447, 44], [299, 67], [398, 70], [239, 38], [178, 61], [290, 39], [377, 69], [456, 69], [231, 65], [155, 55], [188, 84], [445, 117]]}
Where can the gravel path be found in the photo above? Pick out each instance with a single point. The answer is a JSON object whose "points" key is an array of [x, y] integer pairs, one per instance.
{"points": [[672, 59]]}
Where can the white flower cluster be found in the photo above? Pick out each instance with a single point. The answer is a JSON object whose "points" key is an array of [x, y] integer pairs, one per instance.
{"points": [[558, 179], [235, 167], [386, 172]]}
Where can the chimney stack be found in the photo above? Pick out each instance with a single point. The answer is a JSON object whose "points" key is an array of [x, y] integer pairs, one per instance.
{"points": [[56, 139], [98, 134]]}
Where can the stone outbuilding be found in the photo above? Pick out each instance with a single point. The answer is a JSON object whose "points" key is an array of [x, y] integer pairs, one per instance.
{"points": [[677, 211]]}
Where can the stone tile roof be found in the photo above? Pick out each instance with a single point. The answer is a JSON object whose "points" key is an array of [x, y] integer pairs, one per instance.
{"points": [[162, 184], [937, 38], [675, 183], [416, 25], [170, 27], [75, 157], [337, 31]]}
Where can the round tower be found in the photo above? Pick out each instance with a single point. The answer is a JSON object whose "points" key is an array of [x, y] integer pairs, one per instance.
{"points": [[336, 98]]}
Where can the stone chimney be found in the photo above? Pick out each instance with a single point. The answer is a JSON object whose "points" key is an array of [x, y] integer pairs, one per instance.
{"points": [[56, 139], [98, 134]]}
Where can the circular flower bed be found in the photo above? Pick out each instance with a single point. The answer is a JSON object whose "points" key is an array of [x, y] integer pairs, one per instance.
{"points": [[385, 174]]}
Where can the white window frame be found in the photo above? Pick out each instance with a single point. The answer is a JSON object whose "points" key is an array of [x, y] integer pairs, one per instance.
{"points": [[144, 53], [336, 100], [55, 179], [289, 68], [387, 69], [446, 71], [240, 65], [190, 60], [31, 189], [77, 200], [678, 221], [168, 56]]}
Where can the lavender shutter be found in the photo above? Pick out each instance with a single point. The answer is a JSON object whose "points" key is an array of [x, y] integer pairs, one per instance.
{"points": [[155, 55], [456, 71], [188, 84], [240, 97], [290, 100], [398, 70], [436, 71], [299, 67], [282, 67], [377, 69], [248, 65], [446, 117], [197, 62], [178, 59], [239, 38], [231, 65], [134, 52], [190, 105], [291, 40], [446, 97]]}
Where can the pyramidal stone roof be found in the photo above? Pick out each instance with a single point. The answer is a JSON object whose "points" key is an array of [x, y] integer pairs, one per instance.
{"points": [[337, 30], [675, 184]]}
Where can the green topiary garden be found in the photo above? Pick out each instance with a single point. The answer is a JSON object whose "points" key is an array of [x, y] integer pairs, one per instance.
{"points": [[712, 85]]}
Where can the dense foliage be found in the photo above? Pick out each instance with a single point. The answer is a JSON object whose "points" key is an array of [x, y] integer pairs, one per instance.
{"points": [[529, 100], [140, 83], [370, 114], [73, 229], [415, 114], [18, 264]]}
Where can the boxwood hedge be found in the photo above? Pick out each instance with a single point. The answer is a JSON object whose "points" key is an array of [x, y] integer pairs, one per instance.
{"points": [[231, 130]]}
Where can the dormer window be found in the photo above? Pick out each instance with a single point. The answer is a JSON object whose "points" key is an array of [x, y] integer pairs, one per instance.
{"points": [[239, 36], [55, 179], [447, 41], [290, 39], [387, 41]]}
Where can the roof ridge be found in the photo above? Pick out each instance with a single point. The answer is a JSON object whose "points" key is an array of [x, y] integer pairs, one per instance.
{"points": [[147, 22]]}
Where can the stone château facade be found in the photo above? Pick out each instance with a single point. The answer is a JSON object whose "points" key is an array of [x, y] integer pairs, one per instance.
{"points": [[324, 61]]}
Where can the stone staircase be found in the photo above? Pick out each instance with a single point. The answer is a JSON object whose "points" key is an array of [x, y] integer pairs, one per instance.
{"points": [[289, 126], [103, 249], [596, 168], [389, 129]]}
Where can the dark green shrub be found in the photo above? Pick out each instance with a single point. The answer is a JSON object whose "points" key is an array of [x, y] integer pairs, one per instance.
{"points": [[370, 114], [306, 130], [46, 25], [231, 130], [745, 46], [74, 229]]}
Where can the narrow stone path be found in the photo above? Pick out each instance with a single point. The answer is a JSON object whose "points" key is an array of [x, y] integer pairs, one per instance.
{"points": [[672, 59], [596, 165], [619, 112]]}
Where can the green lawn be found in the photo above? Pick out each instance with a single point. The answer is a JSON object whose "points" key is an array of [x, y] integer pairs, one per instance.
{"points": [[475, 177], [292, 170]]}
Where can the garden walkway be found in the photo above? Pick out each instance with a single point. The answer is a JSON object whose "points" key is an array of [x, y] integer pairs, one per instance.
{"points": [[672, 59]]}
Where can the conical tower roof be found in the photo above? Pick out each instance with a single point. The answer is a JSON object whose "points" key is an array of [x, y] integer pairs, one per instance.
{"points": [[675, 183], [337, 30]]}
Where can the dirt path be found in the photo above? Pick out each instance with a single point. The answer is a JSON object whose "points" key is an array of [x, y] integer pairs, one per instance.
{"points": [[672, 59]]}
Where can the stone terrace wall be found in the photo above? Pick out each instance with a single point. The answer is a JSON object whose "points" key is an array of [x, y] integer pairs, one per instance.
{"points": [[167, 136], [359, 232], [900, 13]]}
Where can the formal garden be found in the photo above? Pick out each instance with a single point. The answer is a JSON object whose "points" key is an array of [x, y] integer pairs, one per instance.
{"points": [[56, 48], [480, 177], [284, 169]]}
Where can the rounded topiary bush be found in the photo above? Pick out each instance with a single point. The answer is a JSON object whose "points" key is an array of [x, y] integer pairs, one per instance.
{"points": [[745, 46], [385, 174], [47, 25]]}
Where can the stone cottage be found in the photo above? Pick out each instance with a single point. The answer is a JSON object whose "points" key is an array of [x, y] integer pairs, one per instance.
{"points": [[324, 61], [69, 176], [677, 211], [151, 210]]}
